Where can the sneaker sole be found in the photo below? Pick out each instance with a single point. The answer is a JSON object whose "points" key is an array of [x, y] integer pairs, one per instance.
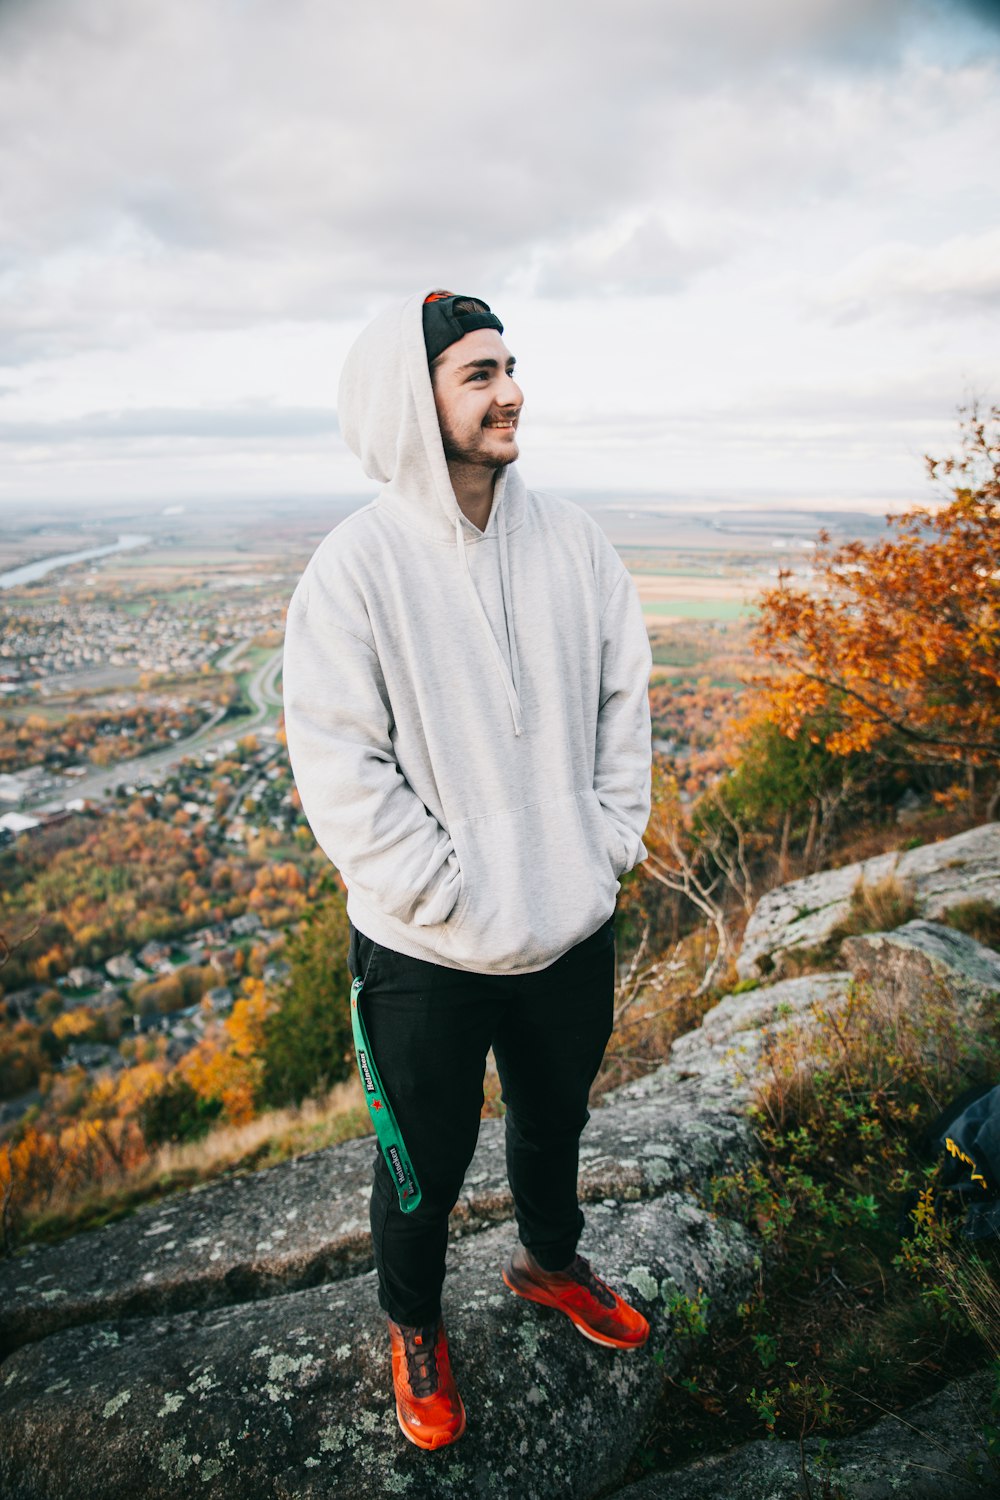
{"points": [[578, 1323], [434, 1443]]}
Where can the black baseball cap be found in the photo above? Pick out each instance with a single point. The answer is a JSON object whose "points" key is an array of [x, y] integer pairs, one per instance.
{"points": [[449, 316]]}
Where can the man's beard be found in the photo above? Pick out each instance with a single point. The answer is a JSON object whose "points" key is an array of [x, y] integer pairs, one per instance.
{"points": [[475, 457]]}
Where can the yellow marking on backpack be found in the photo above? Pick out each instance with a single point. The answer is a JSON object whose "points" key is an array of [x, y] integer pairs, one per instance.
{"points": [[957, 1151]]}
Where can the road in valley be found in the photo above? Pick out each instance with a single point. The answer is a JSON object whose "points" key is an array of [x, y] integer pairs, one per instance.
{"points": [[262, 688]]}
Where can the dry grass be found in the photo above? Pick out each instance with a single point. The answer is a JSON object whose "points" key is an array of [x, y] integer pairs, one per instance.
{"points": [[879, 907], [879, 1043], [969, 1283], [273, 1137], [978, 919], [226, 1151]]}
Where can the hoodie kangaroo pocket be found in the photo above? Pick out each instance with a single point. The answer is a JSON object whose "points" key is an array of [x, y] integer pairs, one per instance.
{"points": [[535, 880]]}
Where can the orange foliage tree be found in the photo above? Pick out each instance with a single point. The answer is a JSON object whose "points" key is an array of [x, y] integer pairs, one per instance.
{"points": [[896, 647], [228, 1063]]}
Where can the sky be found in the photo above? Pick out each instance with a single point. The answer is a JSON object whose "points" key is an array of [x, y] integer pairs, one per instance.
{"points": [[742, 253]]}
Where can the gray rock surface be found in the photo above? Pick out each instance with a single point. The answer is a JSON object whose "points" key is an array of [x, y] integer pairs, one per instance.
{"points": [[805, 912], [919, 958], [294, 1225], [290, 1396], [933, 1451]]}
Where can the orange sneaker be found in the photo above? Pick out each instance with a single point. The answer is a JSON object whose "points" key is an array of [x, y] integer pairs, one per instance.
{"points": [[428, 1405], [597, 1311]]}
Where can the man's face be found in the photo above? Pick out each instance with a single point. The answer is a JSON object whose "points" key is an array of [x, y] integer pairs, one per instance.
{"points": [[478, 403]]}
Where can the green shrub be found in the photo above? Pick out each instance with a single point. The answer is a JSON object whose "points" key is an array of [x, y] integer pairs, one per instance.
{"points": [[307, 1040], [176, 1113], [867, 1308]]}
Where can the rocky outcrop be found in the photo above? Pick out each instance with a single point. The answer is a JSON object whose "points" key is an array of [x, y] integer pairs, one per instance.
{"points": [[806, 912], [305, 1222], [289, 1394], [228, 1341], [933, 1451]]}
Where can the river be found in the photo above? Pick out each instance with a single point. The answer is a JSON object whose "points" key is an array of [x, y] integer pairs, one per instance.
{"points": [[34, 570]]}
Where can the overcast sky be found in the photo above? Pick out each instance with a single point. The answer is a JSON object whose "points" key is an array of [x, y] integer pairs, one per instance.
{"points": [[742, 251]]}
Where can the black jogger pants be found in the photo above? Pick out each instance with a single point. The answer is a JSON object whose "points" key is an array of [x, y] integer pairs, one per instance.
{"points": [[430, 1028]]}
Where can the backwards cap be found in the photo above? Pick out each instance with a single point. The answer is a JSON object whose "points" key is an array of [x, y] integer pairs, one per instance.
{"points": [[448, 317]]}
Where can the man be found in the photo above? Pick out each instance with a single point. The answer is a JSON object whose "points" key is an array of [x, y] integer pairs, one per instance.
{"points": [[466, 705]]}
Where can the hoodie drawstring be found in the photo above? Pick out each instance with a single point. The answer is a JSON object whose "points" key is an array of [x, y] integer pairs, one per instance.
{"points": [[508, 605], [512, 685]]}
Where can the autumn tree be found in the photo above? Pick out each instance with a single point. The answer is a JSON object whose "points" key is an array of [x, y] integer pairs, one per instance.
{"points": [[896, 644], [889, 659], [228, 1063]]}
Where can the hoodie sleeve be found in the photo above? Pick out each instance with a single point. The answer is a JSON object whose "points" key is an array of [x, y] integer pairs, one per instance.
{"points": [[624, 755], [363, 812]]}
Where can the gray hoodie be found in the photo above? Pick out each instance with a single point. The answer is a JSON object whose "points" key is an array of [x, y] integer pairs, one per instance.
{"points": [[467, 711]]}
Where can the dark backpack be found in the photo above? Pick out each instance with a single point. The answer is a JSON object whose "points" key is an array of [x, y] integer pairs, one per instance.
{"points": [[965, 1138]]}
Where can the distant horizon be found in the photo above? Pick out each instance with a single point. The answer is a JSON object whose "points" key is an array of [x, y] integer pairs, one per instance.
{"points": [[747, 500]]}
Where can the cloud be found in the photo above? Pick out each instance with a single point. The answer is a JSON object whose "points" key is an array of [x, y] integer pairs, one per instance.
{"points": [[251, 420], [214, 165], [638, 257], [959, 275]]}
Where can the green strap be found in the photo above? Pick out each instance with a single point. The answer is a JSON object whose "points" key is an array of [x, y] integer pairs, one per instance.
{"points": [[390, 1136]]}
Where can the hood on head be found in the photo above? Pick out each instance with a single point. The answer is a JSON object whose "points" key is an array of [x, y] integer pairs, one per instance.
{"points": [[385, 404]]}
